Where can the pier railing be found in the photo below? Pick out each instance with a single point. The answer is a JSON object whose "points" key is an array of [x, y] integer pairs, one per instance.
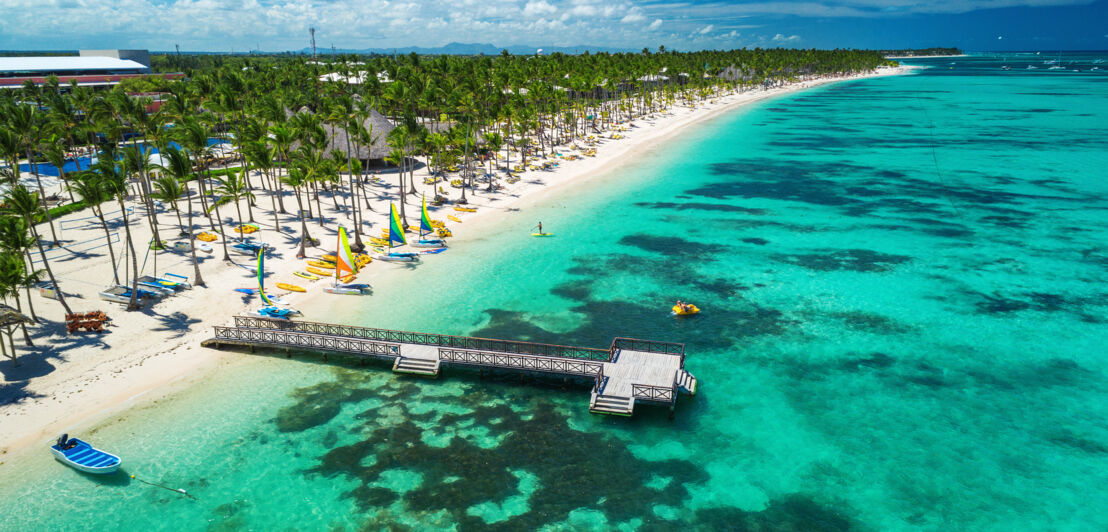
{"points": [[521, 362], [306, 341], [650, 346], [438, 340], [653, 393]]}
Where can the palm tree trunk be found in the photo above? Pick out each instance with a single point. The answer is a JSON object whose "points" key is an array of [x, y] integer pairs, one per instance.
{"points": [[23, 326], [42, 195], [303, 227], [108, 238], [49, 271], [197, 279], [133, 304]]}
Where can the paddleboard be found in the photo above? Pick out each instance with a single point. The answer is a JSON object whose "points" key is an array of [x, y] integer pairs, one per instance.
{"points": [[542, 234]]}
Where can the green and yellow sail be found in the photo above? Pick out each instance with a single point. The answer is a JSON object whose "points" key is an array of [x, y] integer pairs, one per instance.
{"points": [[425, 219], [396, 229], [261, 277]]}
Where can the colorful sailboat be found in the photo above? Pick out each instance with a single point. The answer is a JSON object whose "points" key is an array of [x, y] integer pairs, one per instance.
{"points": [[271, 308], [425, 228], [396, 238], [345, 264]]}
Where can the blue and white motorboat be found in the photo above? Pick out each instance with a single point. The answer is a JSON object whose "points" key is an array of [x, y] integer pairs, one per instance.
{"points": [[82, 456]]}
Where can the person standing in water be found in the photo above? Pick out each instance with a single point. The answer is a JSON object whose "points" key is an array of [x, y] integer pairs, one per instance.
{"points": [[540, 228]]}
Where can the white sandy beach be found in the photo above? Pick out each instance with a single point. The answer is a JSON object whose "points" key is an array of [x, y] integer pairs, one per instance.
{"points": [[67, 383]]}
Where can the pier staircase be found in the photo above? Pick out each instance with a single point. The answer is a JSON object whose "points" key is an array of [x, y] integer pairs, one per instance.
{"points": [[611, 404], [686, 382], [416, 366]]}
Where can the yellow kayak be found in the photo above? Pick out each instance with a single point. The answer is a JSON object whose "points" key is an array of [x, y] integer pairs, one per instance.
{"points": [[321, 264], [453, 218], [464, 209], [318, 271], [307, 276], [380, 241], [290, 287], [688, 310], [347, 278], [330, 258]]}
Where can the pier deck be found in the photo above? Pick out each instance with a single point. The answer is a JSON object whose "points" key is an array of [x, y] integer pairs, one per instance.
{"points": [[629, 372]]}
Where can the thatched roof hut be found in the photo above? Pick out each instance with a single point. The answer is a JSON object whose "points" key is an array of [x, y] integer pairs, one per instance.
{"points": [[336, 137]]}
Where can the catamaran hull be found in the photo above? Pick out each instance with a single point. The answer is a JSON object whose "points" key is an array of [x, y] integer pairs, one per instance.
{"points": [[429, 244]]}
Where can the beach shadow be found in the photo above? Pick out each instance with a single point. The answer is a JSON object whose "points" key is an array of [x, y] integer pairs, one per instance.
{"points": [[177, 322]]}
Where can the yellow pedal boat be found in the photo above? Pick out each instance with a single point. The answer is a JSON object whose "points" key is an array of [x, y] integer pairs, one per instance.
{"points": [[688, 310]]}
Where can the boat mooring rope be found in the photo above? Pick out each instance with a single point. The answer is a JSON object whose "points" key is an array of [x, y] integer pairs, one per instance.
{"points": [[176, 490]]}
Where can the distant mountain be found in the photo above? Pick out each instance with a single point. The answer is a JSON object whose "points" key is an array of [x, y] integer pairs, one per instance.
{"points": [[457, 48]]}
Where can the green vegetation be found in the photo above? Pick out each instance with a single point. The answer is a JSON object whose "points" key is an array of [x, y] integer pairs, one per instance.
{"points": [[299, 134]]}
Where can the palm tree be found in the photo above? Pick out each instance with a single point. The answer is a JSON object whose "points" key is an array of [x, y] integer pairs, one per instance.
{"points": [[115, 182], [90, 186], [179, 168], [25, 203], [16, 240], [168, 190], [232, 189], [295, 179]]}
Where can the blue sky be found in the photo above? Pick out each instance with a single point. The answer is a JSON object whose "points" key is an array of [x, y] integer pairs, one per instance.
{"points": [[275, 25]]}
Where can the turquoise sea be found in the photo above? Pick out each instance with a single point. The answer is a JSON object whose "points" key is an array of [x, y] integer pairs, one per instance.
{"points": [[904, 291]]}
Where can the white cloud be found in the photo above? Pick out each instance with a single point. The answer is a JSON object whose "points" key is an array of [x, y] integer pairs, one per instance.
{"points": [[781, 38], [222, 25], [538, 9]]}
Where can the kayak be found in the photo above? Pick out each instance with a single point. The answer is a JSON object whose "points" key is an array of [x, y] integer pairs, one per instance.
{"points": [[464, 209], [317, 271], [307, 276], [290, 287], [322, 264], [453, 218], [542, 234], [330, 258], [689, 310], [348, 278]]}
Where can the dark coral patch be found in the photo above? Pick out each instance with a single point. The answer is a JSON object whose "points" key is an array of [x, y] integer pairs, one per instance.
{"points": [[756, 241], [574, 469], [319, 404], [700, 206], [869, 322], [670, 245], [858, 260], [793, 513]]}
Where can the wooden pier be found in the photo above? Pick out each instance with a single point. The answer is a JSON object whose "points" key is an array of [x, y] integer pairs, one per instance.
{"points": [[629, 372]]}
